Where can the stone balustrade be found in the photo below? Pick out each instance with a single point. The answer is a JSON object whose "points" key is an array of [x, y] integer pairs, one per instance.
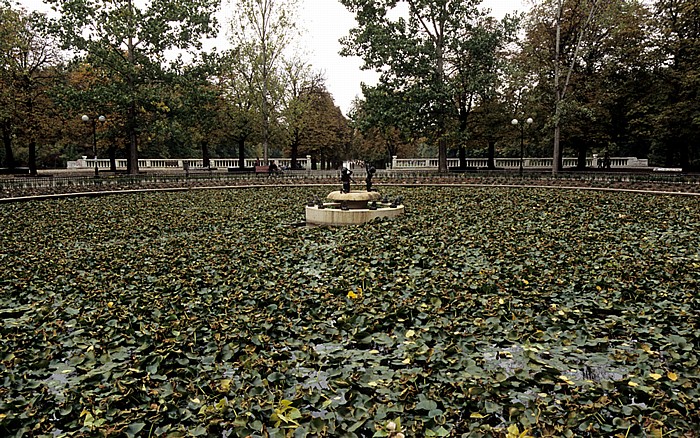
{"points": [[514, 163], [397, 163], [193, 163]]}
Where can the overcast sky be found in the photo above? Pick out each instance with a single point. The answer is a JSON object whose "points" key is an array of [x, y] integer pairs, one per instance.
{"points": [[325, 22]]}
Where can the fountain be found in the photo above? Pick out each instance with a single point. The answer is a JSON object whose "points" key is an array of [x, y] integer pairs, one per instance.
{"points": [[352, 207]]}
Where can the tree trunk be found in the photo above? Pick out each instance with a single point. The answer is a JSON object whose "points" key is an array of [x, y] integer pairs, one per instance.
{"points": [[132, 162], [265, 127], [684, 155], [463, 115], [206, 162], [132, 157], [241, 152], [442, 154], [556, 155], [491, 161], [32, 158], [7, 143], [669, 160], [265, 73], [391, 147], [581, 163], [32, 132], [557, 163], [112, 152], [442, 125], [294, 155]]}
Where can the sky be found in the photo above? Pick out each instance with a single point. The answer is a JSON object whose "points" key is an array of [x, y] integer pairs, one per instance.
{"points": [[327, 21], [324, 23]]}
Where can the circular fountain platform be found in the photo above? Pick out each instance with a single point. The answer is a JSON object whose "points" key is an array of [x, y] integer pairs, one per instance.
{"points": [[354, 199], [357, 210]]}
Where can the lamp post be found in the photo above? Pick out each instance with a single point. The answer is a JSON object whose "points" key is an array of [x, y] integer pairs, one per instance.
{"points": [[101, 119], [515, 122]]}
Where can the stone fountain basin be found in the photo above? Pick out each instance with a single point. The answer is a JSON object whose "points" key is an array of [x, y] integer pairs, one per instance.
{"points": [[357, 211], [333, 215]]}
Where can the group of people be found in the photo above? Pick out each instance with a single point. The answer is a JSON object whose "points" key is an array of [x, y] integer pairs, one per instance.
{"points": [[273, 169]]}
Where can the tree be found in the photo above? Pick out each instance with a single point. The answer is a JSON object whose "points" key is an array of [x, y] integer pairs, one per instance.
{"points": [[554, 37], [421, 57], [490, 118], [261, 31], [10, 23], [302, 84], [318, 127], [27, 59], [130, 42], [678, 74], [480, 54], [580, 14], [383, 116], [588, 55], [195, 104], [237, 88], [83, 90]]}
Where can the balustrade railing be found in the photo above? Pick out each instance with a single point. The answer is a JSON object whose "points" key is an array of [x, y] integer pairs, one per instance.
{"points": [[396, 164], [70, 182], [514, 163], [192, 163]]}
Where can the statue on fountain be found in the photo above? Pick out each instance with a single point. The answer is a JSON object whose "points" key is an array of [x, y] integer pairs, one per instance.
{"points": [[370, 173], [345, 178], [347, 207]]}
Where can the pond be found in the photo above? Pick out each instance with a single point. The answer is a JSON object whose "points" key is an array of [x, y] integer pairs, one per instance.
{"points": [[202, 313]]}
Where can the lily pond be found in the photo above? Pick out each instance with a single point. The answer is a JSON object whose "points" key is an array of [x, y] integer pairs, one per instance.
{"points": [[480, 312]]}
